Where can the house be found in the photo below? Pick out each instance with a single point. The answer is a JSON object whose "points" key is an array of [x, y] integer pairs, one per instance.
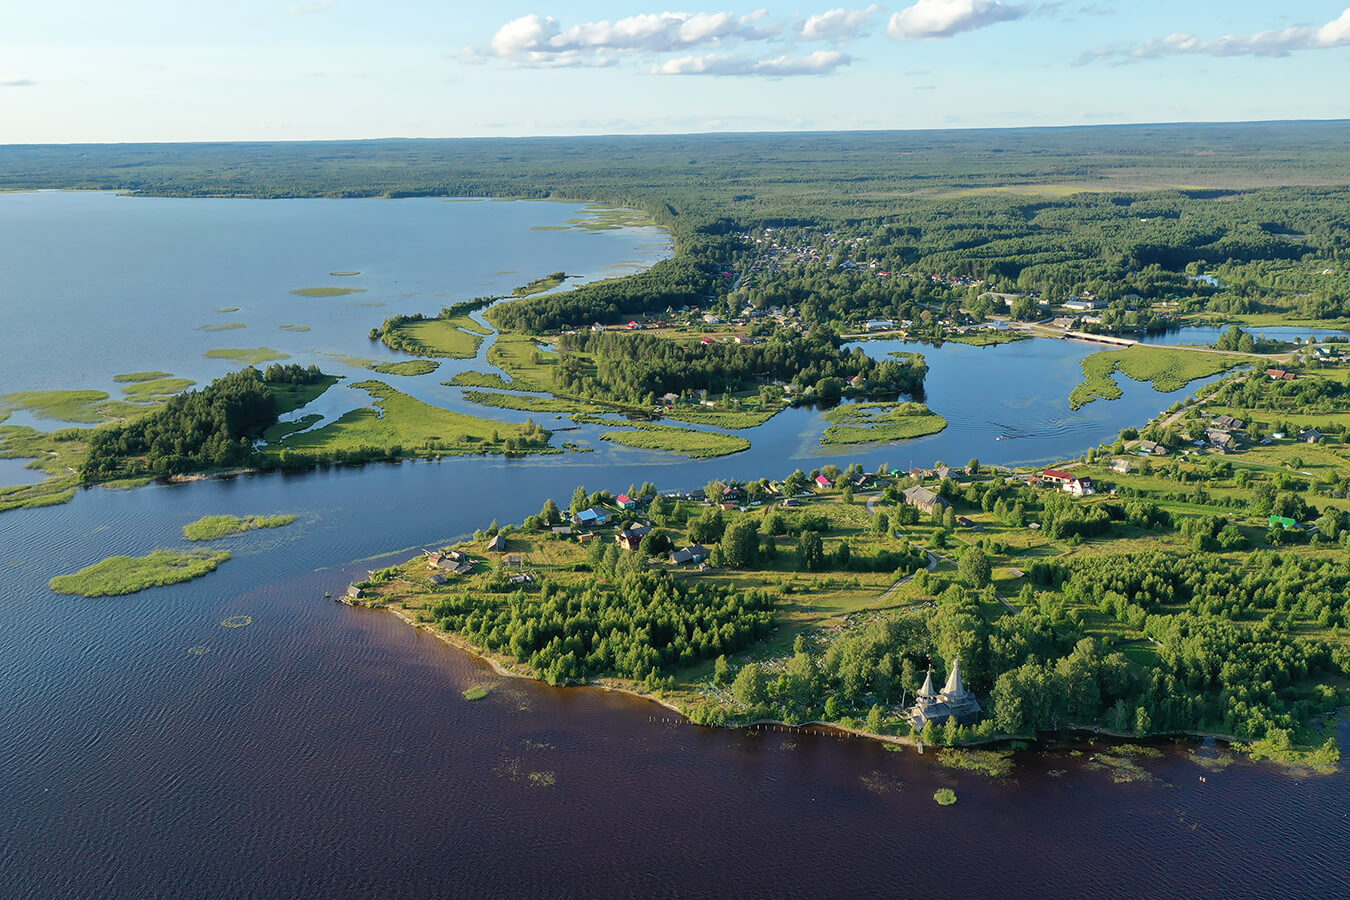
{"points": [[591, 517], [924, 499], [1227, 423], [1280, 375], [438, 578], [1152, 448], [562, 530], [513, 560], [823, 483], [953, 702], [791, 501], [1080, 487], [1222, 440], [965, 522], [625, 502], [1120, 466], [668, 399], [585, 537], [1062, 322], [597, 327], [708, 340], [1081, 304], [497, 543], [632, 325], [943, 472], [1310, 436], [1057, 476], [631, 536], [694, 553], [878, 325]]}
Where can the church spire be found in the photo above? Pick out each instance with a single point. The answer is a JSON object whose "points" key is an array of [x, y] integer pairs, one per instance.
{"points": [[926, 692], [954, 688]]}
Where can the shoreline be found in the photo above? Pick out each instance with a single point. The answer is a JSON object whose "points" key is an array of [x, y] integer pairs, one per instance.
{"points": [[503, 669]]}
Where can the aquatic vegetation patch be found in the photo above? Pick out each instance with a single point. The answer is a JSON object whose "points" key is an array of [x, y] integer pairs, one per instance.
{"points": [[993, 763], [85, 407], [344, 274], [529, 403], [227, 326], [290, 327], [478, 379], [1121, 765], [227, 309], [878, 783], [156, 389], [405, 367], [248, 356], [118, 575], [199, 650], [237, 622], [211, 528], [140, 376], [543, 779], [327, 291], [477, 692], [861, 423], [945, 796]]}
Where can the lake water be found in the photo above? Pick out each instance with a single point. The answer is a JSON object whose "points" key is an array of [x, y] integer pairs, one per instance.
{"points": [[1208, 334], [327, 751]]}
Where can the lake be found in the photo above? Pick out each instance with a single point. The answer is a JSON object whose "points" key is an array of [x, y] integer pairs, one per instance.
{"points": [[326, 751]]}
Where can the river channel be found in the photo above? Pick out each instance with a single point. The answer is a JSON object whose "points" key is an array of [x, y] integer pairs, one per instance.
{"points": [[324, 751]]}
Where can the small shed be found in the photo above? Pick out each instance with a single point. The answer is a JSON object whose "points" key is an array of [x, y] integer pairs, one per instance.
{"points": [[497, 544]]}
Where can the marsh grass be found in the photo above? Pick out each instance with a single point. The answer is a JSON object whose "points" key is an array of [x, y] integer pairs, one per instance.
{"points": [[327, 291], [405, 367], [156, 389], [140, 376], [477, 692], [1168, 369], [210, 528], [248, 356], [861, 423], [478, 379], [945, 796], [683, 441], [118, 575]]}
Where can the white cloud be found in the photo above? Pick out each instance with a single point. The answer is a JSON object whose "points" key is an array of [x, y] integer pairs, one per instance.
{"points": [[944, 18], [1279, 42], [822, 62], [541, 40], [16, 82], [838, 25]]}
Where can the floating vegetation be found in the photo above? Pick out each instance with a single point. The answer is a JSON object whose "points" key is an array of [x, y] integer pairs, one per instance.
{"points": [[118, 575], [210, 528], [344, 274], [199, 650], [993, 763], [878, 783], [289, 327], [1057, 773], [237, 622], [1121, 764], [327, 291], [227, 309], [248, 356], [477, 692], [1214, 761], [228, 326], [543, 779], [140, 376], [945, 796]]}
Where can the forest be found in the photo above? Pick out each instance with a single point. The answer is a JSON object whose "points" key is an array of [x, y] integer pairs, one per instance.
{"points": [[213, 428]]}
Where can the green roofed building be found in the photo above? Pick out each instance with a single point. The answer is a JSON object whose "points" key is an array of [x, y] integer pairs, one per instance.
{"points": [[1284, 522]]}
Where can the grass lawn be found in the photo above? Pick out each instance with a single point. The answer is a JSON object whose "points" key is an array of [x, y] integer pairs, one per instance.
{"points": [[1167, 368], [861, 423], [210, 528], [119, 575]]}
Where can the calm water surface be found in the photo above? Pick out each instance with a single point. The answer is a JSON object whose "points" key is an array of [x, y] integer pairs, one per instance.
{"points": [[325, 751]]}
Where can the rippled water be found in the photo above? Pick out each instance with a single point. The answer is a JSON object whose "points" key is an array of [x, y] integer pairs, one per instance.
{"points": [[329, 752]]}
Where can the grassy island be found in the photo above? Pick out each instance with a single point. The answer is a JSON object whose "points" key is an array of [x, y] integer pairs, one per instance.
{"points": [[539, 285], [861, 423], [119, 575], [1166, 368], [682, 441], [248, 356], [329, 291], [211, 528]]}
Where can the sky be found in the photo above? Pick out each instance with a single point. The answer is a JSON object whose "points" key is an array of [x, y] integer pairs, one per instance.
{"points": [[212, 70]]}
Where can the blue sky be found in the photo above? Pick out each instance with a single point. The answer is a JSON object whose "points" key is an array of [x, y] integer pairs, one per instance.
{"points": [[155, 70]]}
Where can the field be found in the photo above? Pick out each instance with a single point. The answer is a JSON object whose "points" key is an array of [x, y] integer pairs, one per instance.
{"points": [[862, 423], [1167, 368], [211, 528], [119, 575]]}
